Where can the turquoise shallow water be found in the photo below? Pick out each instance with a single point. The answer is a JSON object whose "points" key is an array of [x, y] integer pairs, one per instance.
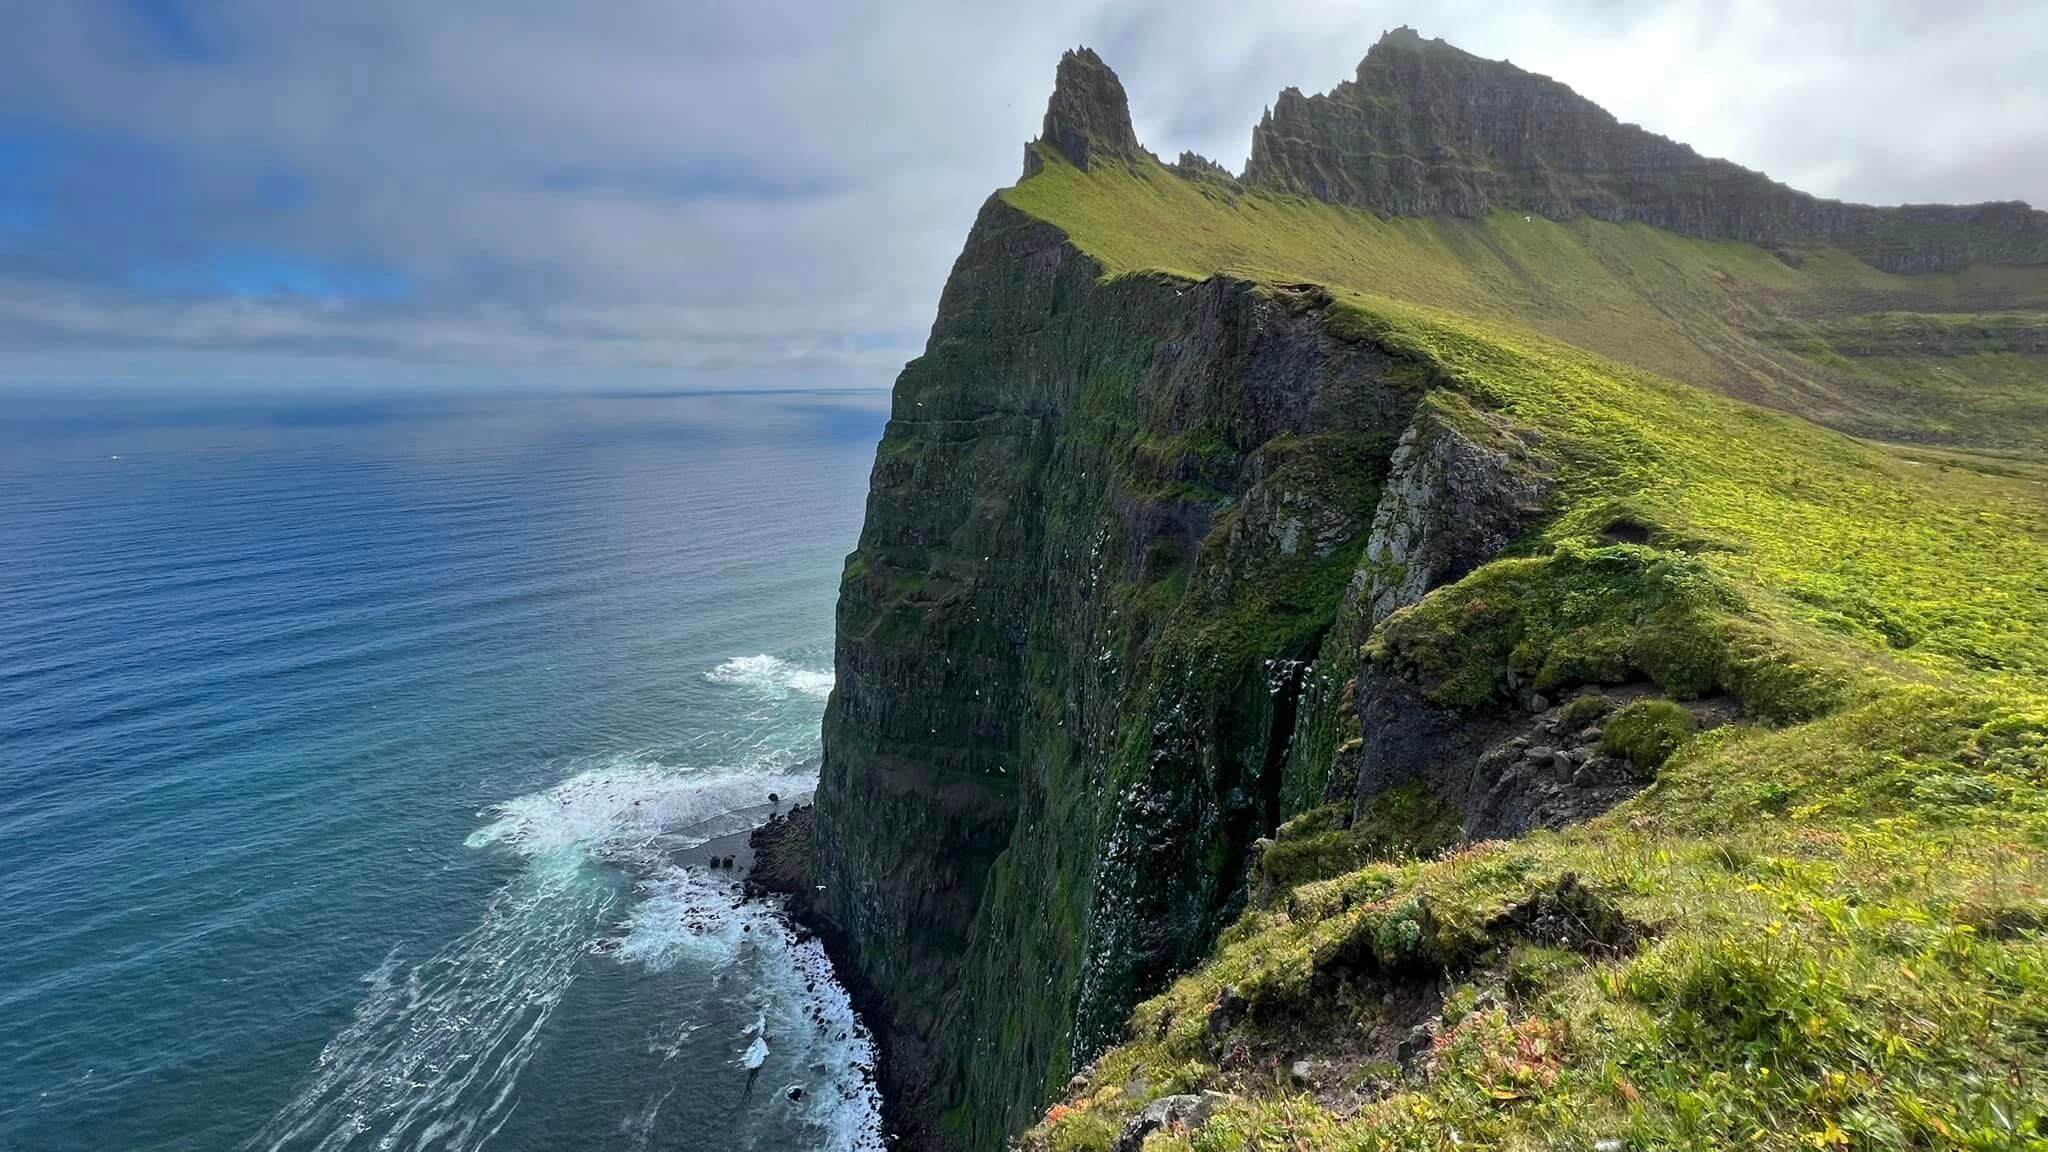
{"points": [[353, 749]]}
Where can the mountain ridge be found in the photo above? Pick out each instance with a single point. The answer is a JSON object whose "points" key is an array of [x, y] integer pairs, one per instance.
{"points": [[1425, 128]]}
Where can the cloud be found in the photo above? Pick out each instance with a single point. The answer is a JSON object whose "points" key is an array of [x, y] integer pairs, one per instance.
{"points": [[725, 190]]}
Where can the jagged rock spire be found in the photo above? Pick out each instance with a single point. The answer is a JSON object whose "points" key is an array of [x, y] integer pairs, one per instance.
{"points": [[1088, 116], [1401, 37]]}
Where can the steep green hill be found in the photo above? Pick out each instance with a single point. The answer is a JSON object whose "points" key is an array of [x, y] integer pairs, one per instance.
{"points": [[1315, 677]]}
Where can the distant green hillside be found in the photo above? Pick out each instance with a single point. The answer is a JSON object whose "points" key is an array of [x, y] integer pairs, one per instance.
{"points": [[1958, 358]]}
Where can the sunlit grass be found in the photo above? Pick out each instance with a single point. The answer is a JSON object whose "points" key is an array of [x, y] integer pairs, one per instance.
{"points": [[1725, 314], [1841, 901]]}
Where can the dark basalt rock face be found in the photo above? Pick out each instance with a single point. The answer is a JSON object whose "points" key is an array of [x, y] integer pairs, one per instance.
{"points": [[1088, 117], [1426, 129], [1109, 523], [1505, 773], [1196, 166]]}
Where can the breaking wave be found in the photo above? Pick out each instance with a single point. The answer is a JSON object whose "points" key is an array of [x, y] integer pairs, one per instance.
{"points": [[803, 1019], [433, 1053], [620, 811], [771, 675]]}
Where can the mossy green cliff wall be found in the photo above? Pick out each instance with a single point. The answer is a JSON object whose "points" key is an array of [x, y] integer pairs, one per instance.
{"points": [[1109, 525]]}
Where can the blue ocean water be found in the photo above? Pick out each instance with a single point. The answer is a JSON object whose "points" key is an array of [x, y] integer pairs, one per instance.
{"points": [[359, 754]]}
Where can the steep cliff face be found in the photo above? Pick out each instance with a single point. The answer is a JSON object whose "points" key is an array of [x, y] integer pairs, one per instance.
{"points": [[1081, 658], [1145, 559], [1108, 525], [1426, 129]]}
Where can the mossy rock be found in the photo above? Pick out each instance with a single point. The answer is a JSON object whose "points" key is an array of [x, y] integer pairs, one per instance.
{"points": [[1583, 711], [1647, 732], [1401, 823]]}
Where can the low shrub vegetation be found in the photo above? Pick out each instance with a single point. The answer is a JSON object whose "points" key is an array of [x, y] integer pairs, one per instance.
{"points": [[1648, 732]]}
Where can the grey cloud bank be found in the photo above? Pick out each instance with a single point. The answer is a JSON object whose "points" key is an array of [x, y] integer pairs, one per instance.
{"points": [[725, 191]]}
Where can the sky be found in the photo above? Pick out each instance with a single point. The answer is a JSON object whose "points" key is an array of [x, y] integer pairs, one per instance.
{"points": [[770, 193]]}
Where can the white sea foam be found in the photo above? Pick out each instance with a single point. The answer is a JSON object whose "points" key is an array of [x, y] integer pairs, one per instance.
{"points": [[804, 1024], [682, 917], [836, 1056], [772, 676], [434, 1051], [626, 804], [803, 1021]]}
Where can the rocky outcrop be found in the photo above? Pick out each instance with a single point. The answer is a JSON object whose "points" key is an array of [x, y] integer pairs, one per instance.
{"points": [[1426, 129], [1464, 485], [1167, 1114], [1504, 772], [1088, 118], [1196, 166]]}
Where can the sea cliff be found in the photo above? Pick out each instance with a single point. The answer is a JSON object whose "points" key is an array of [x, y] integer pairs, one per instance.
{"points": [[1183, 587]]}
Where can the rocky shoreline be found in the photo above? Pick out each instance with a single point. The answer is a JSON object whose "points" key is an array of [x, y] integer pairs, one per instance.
{"points": [[780, 874]]}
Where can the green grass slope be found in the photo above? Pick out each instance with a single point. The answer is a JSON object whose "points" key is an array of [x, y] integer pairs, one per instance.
{"points": [[1821, 927], [1782, 329]]}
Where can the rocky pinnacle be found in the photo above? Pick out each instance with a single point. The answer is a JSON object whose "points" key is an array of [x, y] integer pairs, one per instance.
{"points": [[1088, 116], [1425, 129]]}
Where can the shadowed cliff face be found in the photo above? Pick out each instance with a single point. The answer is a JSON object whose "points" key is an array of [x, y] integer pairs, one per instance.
{"points": [[1426, 129], [1108, 526]]}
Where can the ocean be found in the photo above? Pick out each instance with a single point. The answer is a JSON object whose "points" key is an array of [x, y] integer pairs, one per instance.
{"points": [[362, 753]]}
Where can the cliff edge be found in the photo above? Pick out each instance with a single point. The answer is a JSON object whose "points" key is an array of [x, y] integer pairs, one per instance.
{"points": [[1313, 676]]}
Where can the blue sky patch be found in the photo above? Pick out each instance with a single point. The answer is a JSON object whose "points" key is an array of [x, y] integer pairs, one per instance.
{"points": [[271, 275], [173, 28], [721, 178], [19, 219]]}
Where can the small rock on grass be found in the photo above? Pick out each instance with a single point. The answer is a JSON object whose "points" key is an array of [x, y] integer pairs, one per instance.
{"points": [[1166, 1112], [1420, 1039]]}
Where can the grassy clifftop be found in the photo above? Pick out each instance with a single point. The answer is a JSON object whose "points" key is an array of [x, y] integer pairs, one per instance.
{"points": [[1781, 328], [1822, 925]]}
